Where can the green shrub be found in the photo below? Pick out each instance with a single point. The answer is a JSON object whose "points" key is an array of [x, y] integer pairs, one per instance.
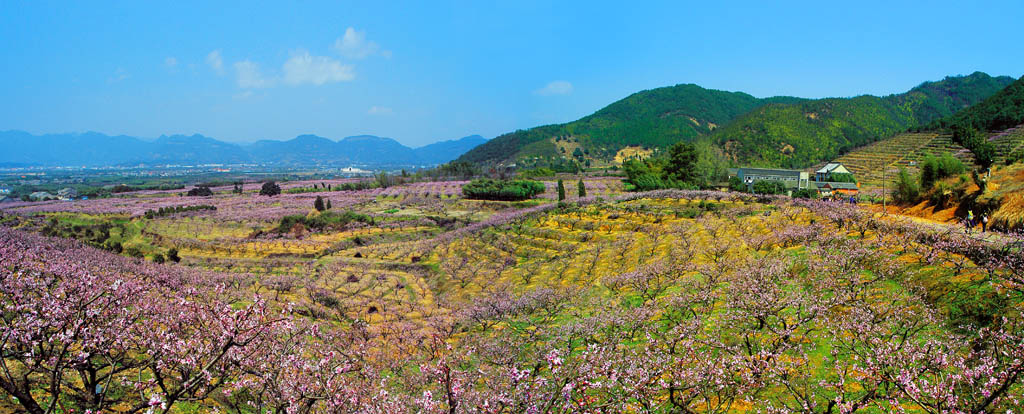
{"points": [[270, 189], [769, 187], [325, 220], [537, 172], [806, 193], [936, 168], [200, 192], [502, 190], [907, 189], [133, 251], [736, 184], [172, 255]]}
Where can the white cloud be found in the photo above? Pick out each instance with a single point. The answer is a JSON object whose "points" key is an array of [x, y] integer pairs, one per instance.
{"points": [[215, 61], [119, 75], [379, 110], [559, 87], [171, 62], [249, 75], [303, 68], [353, 45]]}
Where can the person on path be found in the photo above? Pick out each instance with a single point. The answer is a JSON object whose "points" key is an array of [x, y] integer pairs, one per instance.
{"points": [[970, 220], [984, 222]]}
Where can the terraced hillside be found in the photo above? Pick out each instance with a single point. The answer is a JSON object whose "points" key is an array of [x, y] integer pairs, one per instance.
{"points": [[1007, 141], [872, 163], [909, 149]]}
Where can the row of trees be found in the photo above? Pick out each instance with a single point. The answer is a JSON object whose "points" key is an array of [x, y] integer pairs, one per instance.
{"points": [[502, 190], [581, 189]]}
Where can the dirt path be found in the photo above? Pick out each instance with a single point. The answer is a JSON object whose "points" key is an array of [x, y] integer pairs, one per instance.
{"points": [[988, 236]]}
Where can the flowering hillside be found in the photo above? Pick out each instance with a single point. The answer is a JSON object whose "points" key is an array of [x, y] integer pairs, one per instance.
{"points": [[664, 302]]}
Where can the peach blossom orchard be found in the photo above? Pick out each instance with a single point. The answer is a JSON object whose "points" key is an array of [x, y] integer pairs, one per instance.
{"points": [[660, 302]]}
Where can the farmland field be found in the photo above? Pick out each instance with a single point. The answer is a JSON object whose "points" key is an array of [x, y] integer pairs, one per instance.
{"points": [[413, 299]]}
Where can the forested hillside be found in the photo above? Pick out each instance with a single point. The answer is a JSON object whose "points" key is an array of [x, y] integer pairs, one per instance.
{"points": [[779, 132], [1003, 110], [802, 134], [653, 118]]}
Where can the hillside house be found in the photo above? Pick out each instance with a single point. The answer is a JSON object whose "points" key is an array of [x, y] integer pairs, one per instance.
{"points": [[824, 174], [5, 191], [792, 179], [836, 189]]}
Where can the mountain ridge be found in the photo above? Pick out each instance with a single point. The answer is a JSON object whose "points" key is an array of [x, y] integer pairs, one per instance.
{"points": [[777, 131], [93, 149]]}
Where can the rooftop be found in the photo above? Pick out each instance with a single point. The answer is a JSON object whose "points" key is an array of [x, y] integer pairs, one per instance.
{"points": [[829, 167]]}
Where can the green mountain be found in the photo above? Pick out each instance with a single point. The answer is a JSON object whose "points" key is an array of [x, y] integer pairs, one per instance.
{"points": [[778, 131], [653, 118], [805, 133], [1003, 110]]}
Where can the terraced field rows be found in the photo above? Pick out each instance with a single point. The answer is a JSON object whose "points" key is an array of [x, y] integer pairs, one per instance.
{"points": [[1006, 142], [908, 150], [882, 159]]}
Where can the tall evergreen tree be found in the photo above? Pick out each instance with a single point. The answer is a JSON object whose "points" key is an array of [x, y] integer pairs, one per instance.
{"points": [[582, 188], [318, 204], [561, 190]]}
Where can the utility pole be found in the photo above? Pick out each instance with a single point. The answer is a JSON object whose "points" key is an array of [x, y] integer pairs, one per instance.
{"points": [[884, 170]]}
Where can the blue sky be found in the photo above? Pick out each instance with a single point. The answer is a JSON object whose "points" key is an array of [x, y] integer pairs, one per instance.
{"points": [[421, 72]]}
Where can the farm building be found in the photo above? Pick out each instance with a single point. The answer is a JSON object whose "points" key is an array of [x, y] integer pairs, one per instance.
{"points": [[792, 179], [823, 174], [834, 189]]}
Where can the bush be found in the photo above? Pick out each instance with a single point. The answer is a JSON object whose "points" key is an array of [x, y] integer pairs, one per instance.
{"points": [[936, 168], [537, 172], [200, 192], [907, 189], [166, 211], [806, 193], [769, 187], [502, 190], [113, 246], [270, 189], [356, 186], [172, 255], [325, 220], [318, 204], [736, 184], [133, 251]]}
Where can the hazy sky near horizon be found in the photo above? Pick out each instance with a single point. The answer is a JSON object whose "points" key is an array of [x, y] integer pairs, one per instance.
{"points": [[421, 72]]}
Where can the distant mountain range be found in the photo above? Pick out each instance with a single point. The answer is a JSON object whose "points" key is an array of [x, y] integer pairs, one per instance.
{"points": [[19, 148], [777, 131]]}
